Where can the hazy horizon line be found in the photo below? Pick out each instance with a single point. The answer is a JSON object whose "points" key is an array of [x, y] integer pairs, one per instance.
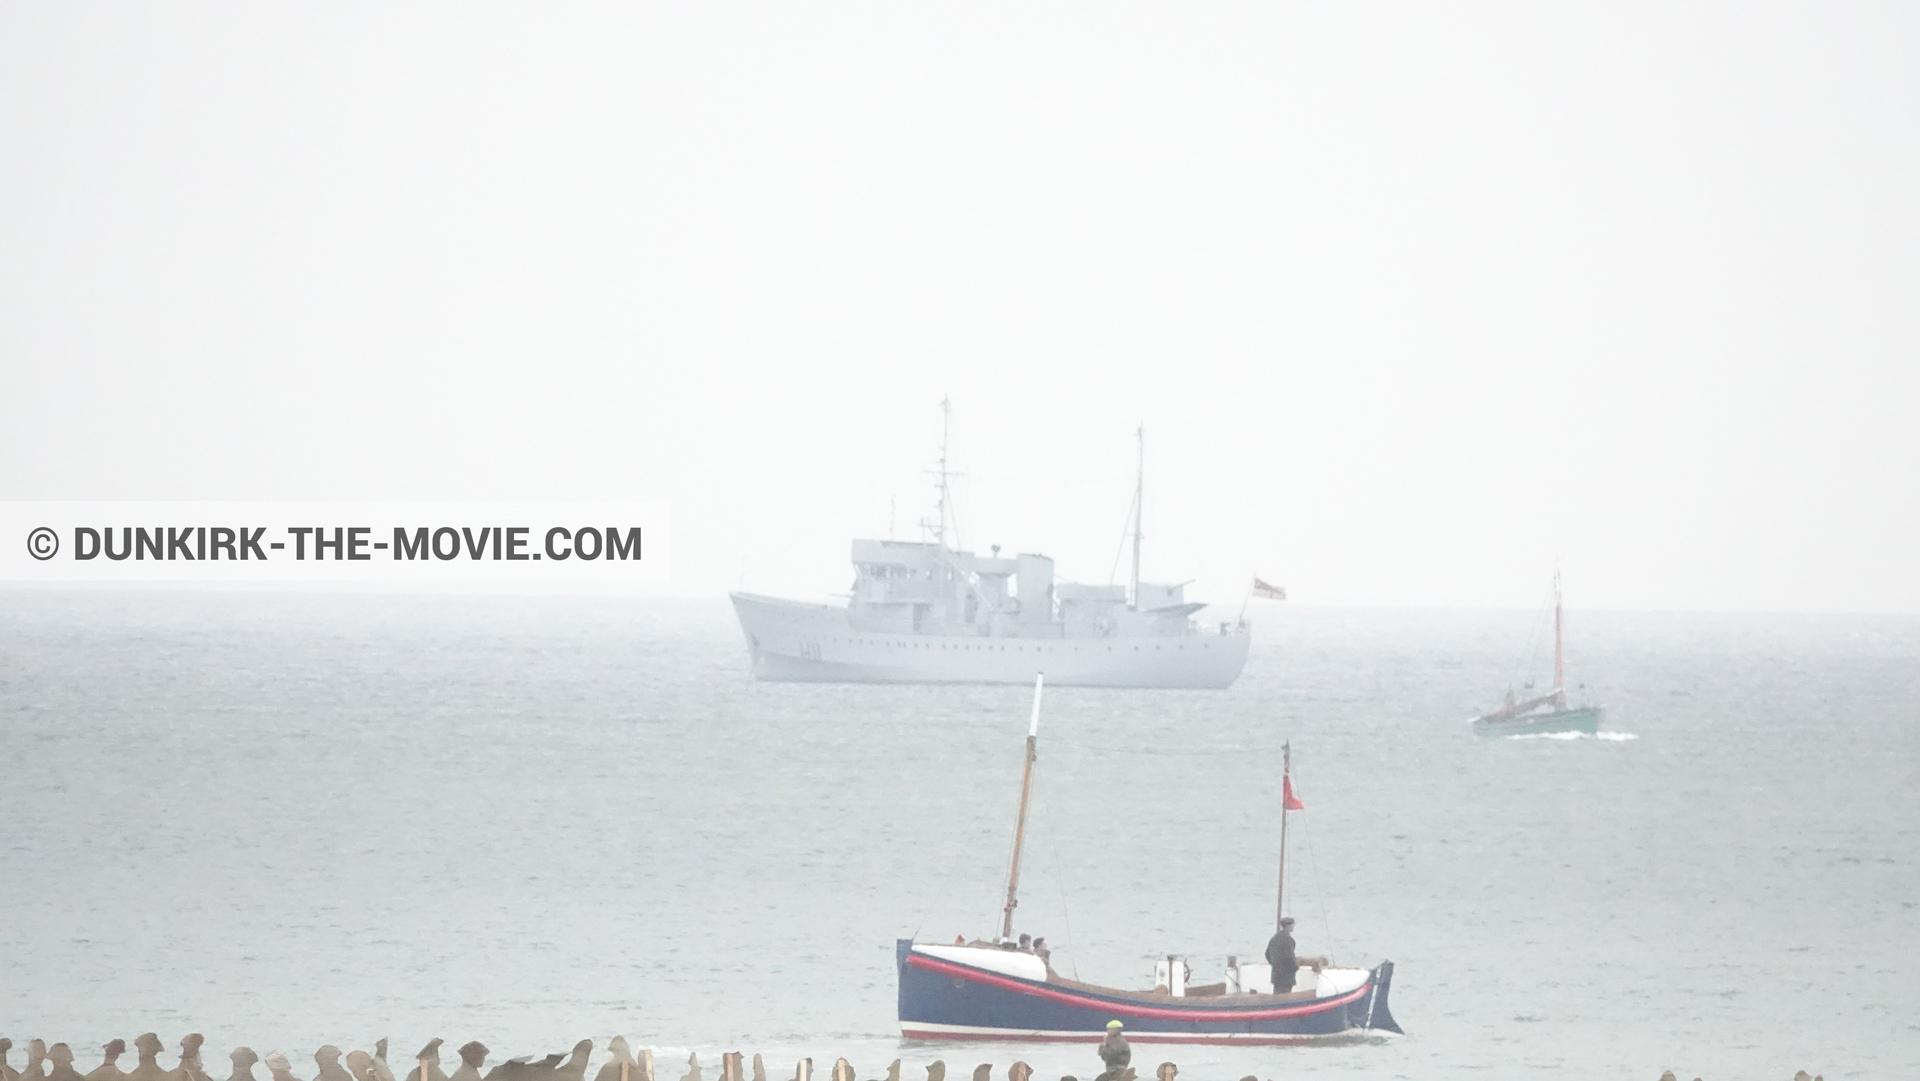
{"points": [[557, 591]]}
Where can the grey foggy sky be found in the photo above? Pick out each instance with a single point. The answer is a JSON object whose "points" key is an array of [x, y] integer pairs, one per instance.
{"points": [[1412, 299]]}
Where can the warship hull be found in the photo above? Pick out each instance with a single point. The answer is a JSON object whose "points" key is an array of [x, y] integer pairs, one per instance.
{"points": [[793, 641]]}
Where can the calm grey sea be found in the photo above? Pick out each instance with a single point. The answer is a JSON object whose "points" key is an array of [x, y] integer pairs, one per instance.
{"points": [[292, 820]]}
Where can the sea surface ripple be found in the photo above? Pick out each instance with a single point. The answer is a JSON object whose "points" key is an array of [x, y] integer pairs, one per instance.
{"points": [[289, 820]]}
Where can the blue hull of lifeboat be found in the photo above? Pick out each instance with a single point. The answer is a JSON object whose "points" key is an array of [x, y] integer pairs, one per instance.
{"points": [[944, 1000]]}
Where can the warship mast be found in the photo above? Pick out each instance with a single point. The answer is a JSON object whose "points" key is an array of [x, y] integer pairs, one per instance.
{"points": [[943, 483], [1139, 508], [954, 578]]}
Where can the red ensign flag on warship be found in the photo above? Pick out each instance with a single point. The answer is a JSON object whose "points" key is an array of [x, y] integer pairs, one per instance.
{"points": [[1274, 593], [1287, 799]]}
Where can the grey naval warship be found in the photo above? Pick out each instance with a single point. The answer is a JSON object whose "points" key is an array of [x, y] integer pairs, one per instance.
{"points": [[931, 612]]}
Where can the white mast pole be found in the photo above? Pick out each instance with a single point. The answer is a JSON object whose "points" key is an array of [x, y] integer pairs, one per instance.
{"points": [[1020, 830]]}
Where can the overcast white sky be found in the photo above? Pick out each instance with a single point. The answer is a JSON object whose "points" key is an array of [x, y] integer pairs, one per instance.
{"points": [[1412, 299]]}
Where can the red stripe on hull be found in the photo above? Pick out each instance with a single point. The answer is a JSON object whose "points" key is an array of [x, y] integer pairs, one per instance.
{"points": [[1132, 1037], [1128, 1009]]}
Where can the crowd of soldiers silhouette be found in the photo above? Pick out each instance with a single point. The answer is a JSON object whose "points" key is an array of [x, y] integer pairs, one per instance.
{"points": [[55, 1063]]}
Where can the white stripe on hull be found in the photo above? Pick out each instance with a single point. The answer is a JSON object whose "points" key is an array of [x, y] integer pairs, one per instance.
{"points": [[928, 1030], [815, 643]]}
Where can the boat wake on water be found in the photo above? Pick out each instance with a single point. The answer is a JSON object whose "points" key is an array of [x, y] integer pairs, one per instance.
{"points": [[1607, 737]]}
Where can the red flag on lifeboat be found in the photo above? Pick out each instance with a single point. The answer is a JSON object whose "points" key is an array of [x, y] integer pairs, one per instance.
{"points": [[1288, 800], [1270, 592]]}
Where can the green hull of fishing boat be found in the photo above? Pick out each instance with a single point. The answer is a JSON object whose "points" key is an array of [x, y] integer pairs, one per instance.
{"points": [[1580, 719]]}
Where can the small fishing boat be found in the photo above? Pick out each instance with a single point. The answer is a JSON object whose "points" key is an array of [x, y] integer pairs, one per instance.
{"points": [[994, 990], [1545, 713]]}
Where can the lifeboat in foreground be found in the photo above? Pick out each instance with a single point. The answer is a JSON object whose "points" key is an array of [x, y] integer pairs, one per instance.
{"points": [[995, 990], [981, 991]]}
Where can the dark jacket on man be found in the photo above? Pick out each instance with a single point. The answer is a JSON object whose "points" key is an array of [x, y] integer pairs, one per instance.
{"points": [[1280, 955]]}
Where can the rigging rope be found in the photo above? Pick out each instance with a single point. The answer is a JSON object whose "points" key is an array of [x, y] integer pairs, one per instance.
{"points": [[1541, 614], [1066, 912], [1132, 505], [1319, 895]]}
